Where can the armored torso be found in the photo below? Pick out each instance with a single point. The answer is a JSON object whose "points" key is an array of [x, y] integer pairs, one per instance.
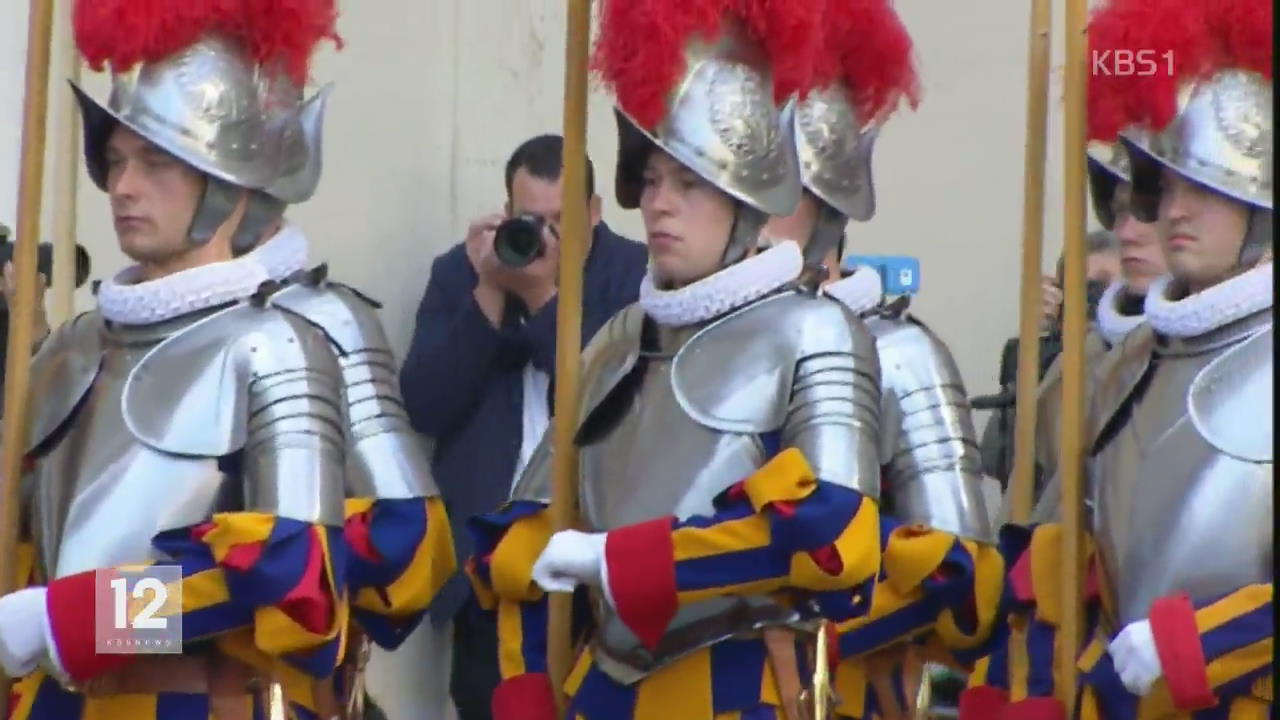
{"points": [[673, 416], [141, 429], [1182, 469], [98, 492]]}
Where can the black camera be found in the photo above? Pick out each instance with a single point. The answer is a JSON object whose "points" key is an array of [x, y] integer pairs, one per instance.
{"points": [[518, 240], [44, 258]]}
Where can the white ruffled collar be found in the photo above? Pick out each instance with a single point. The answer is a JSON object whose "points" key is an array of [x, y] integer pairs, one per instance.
{"points": [[726, 290], [860, 292], [124, 300], [1112, 324], [1224, 303]]}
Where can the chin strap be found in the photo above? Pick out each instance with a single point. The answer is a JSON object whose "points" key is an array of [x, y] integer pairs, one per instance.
{"points": [[828, 234], [745, 233], [1257, 238], [218, 203]]}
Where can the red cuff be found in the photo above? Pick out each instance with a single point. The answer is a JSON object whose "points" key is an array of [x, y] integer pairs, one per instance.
{"points": [[1173, 624], [1034, 708], [642, 577], [983, 702], [72, 621], [524, 697]]}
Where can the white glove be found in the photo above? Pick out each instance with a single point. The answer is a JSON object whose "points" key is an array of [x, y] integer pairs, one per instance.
{"points": [[570, 559], [1134, 655], [24, 631]]}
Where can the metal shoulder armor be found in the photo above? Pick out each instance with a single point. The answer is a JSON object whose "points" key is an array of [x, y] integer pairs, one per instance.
{"points": [[799, 364], [929, 449], [1230, 401], [386, 458], [254, 382], [62, 372]]}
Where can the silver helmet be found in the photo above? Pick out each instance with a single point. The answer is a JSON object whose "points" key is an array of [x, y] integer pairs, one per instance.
{"points": [[244, 125], [723, 124], [1108, 167], [834, 147], [1221, 138], [865, 69]]}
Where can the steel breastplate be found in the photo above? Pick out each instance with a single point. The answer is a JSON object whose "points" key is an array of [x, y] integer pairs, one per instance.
{"points": [[99, 494], [1172, 512], [658, 461]]}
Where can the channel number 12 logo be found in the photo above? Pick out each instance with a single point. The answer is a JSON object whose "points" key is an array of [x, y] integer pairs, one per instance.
{"points": [[138, 610]]}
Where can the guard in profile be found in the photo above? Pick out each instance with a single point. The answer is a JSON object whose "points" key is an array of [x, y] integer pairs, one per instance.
{"points": [[227, 413], [934, 520], [729, 430], [1179, 446]]}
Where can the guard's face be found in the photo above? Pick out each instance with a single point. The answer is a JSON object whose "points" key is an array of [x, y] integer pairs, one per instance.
{"points": [[687, 221], [1203, 231], [1141, 257], [153, 198]]}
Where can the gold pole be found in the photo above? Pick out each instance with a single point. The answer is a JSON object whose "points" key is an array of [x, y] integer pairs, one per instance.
{"points": [[1071, 460], [1022, 483], [66, 174], [573, 244], [22, 311]]}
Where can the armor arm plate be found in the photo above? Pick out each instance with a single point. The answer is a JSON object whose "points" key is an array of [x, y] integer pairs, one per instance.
{"points": [[946, 576], [401, 541], [934, 466], [780, 528], [833, 415]]}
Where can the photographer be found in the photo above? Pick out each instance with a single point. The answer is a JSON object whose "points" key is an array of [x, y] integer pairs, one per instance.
{"points": [[477, 377]]}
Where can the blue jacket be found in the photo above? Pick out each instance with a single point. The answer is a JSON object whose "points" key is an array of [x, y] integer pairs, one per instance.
{"points": [[463, 385]]}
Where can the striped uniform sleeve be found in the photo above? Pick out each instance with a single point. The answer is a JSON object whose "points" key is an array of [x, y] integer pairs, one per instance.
{"points": [[1215, 649], [401, 554], [779, 528], [1018, 673], [930, 582], [507, 544], [280, 578]]}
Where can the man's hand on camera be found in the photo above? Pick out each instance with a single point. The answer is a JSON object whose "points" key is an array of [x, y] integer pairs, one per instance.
{"points": [[535, 283], [489, 293], [1050, 302]]}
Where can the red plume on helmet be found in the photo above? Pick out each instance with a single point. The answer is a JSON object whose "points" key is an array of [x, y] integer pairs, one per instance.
{"points": [[1187, 40], [639, 53], [123, 33], [866, 47]]}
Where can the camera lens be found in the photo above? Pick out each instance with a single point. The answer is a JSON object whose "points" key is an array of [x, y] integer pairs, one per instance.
{"points": [[518, 241]]}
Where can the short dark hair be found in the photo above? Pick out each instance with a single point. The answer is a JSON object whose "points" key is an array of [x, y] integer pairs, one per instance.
{"points": [[1098, 241], [543, 158]]}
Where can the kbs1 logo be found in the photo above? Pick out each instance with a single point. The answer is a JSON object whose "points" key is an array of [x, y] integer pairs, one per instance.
{"points": [[1123, 63]]}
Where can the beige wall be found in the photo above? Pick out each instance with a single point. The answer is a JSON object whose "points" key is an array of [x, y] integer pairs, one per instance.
{"points": [[431, 97]]}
